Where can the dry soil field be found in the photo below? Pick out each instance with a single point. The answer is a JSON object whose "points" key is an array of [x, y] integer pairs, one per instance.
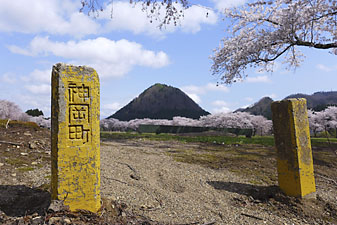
{"points": [[164, 182]]}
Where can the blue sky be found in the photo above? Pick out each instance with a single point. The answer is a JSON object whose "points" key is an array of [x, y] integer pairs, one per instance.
{"points": [[130, 54]]}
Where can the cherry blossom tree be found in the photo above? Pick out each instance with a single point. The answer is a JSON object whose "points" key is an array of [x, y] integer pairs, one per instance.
{"points": [[260, 31], [134, 124], [116, 125], [261, 125], [323, 121], [265, 30], [243, 120], [330, 119], [41, 121], [183, 121], [227, 120], [11, 111], [315, 122], [113, 125]]}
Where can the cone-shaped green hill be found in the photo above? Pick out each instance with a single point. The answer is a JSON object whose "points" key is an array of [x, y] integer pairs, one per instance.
{"points": [[160, 102]]}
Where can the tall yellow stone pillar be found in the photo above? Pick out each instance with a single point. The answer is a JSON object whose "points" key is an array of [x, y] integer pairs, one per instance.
{"points": [[75, 137], [292, 140]]}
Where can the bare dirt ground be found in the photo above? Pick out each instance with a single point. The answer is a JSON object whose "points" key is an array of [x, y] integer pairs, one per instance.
{"points": [[164, 182]]}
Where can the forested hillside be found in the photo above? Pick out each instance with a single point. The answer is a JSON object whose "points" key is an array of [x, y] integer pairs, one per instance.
{"points": [[316, 102]]}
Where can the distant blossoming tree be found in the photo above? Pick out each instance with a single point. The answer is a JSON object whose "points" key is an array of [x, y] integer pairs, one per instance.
{"points": [[117, 125], [259, 124], [41, 121], [330, 119], [183, 121], [9, 110], [113, 125], [262, 126], [315, 122], [323, 121], [227, 120]]}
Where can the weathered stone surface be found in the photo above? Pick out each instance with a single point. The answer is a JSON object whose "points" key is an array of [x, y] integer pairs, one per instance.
{"points": [[75, 137], [292, 140]]}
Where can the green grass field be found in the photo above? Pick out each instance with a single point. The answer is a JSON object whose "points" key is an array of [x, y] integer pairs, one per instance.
{"points": [[225, 140]]}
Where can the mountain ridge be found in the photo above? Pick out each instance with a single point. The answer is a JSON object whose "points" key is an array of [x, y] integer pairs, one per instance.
{"points": [[317, 101], [262, 107]]}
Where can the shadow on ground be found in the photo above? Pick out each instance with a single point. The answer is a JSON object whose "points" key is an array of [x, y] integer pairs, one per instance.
{"points": [[20, 200], [262, 193]]}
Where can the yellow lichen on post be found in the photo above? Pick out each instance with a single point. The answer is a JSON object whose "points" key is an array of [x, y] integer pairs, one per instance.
{"points": [[292, 139], [75, 137]]}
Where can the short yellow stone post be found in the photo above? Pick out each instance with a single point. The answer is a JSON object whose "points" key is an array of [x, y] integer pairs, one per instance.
{"points": [[75, 137], [292, 140]]}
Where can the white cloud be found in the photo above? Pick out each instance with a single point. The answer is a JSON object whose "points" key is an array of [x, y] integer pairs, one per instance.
{"points": [[215, 87], [249, 99], [193, 89], [110, 58], [246, 106], [223, 109], [326, 68], [219, 103], [258, 79], [194, 97], [272, 95], [38, 88], [109, 109], [38, 82], [113, 106], [203, 89], [223, 4], [194, 16], [63, 17], [8, 78], [52, 16], [41, 76], [121, 19], [28, 101]]}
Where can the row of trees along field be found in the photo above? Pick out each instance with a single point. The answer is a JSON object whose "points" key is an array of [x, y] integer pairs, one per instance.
{"points": [[320, 122], [259, 124]]}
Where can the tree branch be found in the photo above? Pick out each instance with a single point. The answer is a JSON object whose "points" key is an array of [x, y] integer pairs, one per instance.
{"points": [[270, 21], [274, 58], [325, 15], [314, 45]]}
